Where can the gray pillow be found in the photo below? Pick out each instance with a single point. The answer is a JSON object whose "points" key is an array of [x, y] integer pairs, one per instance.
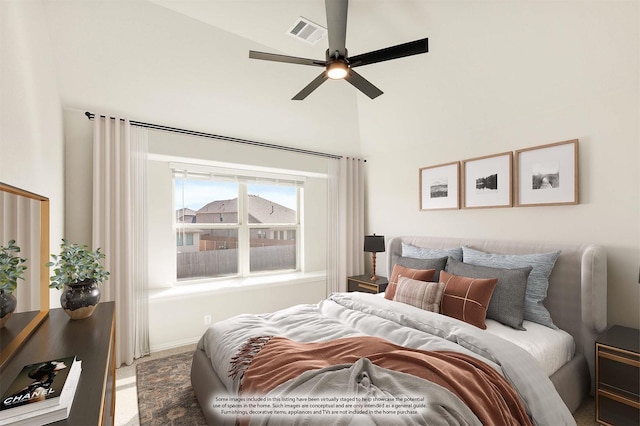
{"points": [[429, 253], [507, 301], [438, 264], [537, 283]]}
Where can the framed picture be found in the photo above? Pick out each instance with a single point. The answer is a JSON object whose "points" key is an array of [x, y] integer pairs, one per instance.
{"points": [[439, 187], [547, 175], [486, 181]]}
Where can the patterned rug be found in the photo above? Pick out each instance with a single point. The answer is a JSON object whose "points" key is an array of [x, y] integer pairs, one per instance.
{"points": [[165, 396]]}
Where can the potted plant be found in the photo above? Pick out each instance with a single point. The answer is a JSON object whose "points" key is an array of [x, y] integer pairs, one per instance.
{"points": [[79, 272], [11, 270]]}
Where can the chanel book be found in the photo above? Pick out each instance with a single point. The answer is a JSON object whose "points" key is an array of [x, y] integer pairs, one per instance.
{"points": [[41, 389]]}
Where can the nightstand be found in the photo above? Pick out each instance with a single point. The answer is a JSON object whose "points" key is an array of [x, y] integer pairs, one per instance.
{"points": [[618, 376], [363, 283]]}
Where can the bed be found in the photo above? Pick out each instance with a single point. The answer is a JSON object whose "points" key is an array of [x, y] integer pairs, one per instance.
{"points": [[247, 350]]}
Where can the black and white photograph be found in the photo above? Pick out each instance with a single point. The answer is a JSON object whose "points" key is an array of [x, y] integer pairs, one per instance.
{"points": [[487, 181], [547, 175], [439, 187], [487, 184]]}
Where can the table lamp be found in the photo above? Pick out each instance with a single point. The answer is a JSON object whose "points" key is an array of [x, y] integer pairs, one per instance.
{"points": [[374, 244]]}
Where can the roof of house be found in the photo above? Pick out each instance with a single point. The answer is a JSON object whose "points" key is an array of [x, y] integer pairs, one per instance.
{"points": [[183, 214], [260, 210]]}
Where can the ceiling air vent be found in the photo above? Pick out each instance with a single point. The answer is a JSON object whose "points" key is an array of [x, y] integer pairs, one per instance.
{"points": [[306, 30]]}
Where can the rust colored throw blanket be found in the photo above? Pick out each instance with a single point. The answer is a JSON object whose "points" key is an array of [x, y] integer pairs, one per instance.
{"points": [[266, 362]]}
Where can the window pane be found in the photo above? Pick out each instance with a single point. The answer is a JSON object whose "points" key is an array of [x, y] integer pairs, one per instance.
{"points": [[211, 220], [212, 253], [201, 252], [272, 249], [205, 201], [272, 203]]}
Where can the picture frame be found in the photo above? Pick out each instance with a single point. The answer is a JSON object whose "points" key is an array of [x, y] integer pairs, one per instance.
{"points": [[487, 181], [547, 175], [439, 187]]}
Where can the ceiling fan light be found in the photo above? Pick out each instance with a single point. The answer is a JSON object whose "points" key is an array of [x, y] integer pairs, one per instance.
{"points": [[337, 70]]}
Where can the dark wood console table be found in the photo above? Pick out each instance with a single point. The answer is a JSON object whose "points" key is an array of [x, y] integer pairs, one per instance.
{"points": [[92, 340]]}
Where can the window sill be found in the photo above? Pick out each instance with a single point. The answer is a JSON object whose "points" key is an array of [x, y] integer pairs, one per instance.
{"points": [[235, 285]]}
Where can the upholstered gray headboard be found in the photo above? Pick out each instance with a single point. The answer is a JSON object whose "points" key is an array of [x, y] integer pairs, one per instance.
{"points": [[577, 294]]}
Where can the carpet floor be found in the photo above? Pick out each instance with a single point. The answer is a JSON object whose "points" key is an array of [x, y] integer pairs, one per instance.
{"points": [[165, 396]]}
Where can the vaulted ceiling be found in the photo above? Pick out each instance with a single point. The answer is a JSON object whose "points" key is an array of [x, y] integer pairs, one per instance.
{"points": [[372, 24], [185, 63]]}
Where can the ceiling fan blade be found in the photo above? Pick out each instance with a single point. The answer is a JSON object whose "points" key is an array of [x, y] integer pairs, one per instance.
{"points": [[311, 87], [337, 25], [393, 52], [287, 59], [362, 84]]}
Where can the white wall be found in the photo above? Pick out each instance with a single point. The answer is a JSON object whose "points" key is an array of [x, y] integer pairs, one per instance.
{"points": [[31, 132], [502, 76], [178, 320]]}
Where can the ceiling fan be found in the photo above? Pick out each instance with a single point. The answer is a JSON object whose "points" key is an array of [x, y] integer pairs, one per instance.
{"points": [[337, 64]]}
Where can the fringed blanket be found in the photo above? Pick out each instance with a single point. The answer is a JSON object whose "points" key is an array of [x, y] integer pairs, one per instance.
{"points": [[266, 363]]}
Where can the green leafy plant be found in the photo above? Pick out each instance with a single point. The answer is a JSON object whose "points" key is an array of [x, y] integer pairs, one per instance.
{"points": [[11, 267], [76, 263]]}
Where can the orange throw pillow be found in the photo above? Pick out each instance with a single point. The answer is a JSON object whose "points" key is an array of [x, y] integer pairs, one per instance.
{"points": [[466, 298], [414, 274]]}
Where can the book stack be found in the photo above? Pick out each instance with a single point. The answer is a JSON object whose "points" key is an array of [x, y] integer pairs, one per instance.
{"points": [[41, 393]]}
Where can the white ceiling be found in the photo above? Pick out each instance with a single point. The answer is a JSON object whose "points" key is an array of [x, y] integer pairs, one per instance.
{"points": [[371, 24], [185, 63]]}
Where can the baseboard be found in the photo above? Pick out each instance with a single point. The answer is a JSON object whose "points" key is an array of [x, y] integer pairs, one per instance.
{"points": [[174, 344]]}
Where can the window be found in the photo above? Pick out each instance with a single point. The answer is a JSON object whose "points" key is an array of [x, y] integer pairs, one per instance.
{"points": [[182, 236], [235, 224]]}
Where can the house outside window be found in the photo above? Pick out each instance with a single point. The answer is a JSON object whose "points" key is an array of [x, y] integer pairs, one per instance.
{"points": [[235, 224]]}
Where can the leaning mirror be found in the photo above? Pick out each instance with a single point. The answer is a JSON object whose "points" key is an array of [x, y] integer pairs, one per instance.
{"points": [[24, 217]]}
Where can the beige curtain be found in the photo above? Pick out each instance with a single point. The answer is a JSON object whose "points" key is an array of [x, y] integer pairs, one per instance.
{"points": [[346, 222], [119, 228]]}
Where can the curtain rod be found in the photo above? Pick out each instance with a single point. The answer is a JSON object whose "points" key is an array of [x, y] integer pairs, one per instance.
{"points": [[91, 116]]}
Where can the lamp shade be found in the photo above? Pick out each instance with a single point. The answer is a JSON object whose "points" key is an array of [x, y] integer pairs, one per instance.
{"points": [[374, 243]]}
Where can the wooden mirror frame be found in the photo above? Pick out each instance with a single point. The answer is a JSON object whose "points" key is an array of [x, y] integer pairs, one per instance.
{"points": [[11, 347]]}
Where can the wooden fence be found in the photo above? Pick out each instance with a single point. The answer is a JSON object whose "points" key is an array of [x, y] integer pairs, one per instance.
{"points": [[218, 263]]}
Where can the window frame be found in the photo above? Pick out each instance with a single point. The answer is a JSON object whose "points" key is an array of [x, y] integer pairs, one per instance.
{"points": [[243, 177]]}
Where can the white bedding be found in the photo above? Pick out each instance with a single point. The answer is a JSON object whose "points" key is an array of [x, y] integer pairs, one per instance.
{"points": [[353, 314], [551, 348]]}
